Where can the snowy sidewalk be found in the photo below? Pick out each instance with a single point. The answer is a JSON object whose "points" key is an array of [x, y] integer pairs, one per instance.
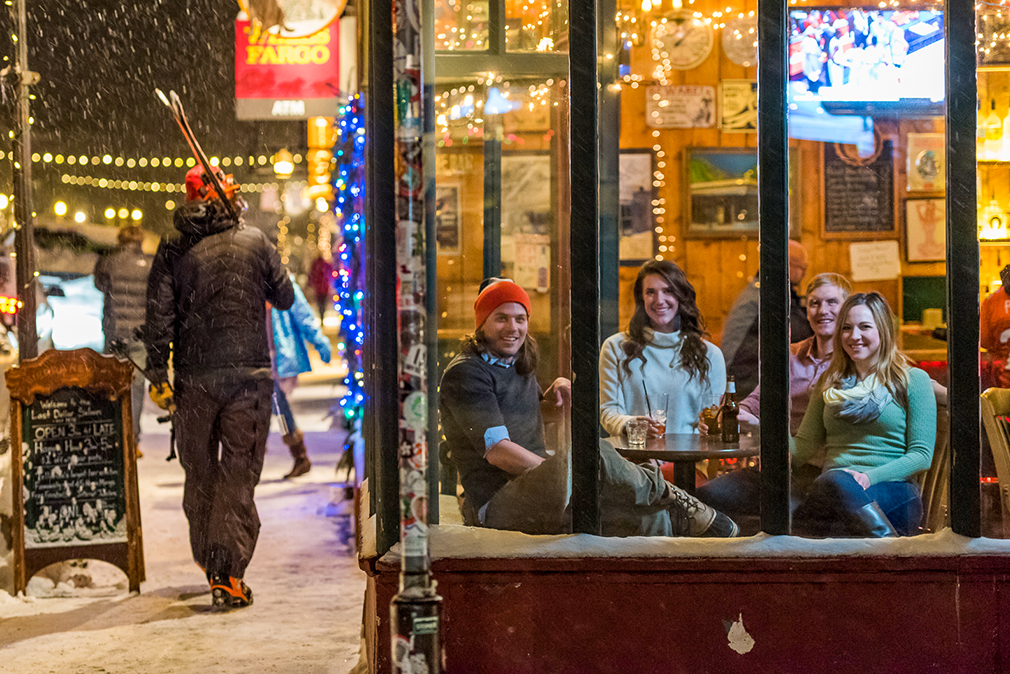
{"points": [[308, 589]]}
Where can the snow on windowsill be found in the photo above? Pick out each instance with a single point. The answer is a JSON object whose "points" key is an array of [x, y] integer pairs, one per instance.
{"points": [[462, 542]]}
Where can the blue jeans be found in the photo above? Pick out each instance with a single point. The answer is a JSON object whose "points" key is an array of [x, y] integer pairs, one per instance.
{"points": [[821, 507], [283, 410]]}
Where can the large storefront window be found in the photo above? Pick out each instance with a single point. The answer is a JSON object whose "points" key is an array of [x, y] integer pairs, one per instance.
{"points": [[993, 197], [680, 189], [501, 211]]}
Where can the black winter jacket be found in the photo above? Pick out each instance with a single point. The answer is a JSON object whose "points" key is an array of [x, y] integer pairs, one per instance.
{"points": [[207, 294], [122, 278]]}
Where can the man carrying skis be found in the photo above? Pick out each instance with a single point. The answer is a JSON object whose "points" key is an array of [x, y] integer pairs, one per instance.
{"points": [[206, 306]]}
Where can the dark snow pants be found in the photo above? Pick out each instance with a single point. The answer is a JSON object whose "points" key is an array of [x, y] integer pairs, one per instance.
{"points": [[221, 432]]}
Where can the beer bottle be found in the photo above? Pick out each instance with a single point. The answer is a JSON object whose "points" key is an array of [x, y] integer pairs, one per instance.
{"points": [[730, 411]]}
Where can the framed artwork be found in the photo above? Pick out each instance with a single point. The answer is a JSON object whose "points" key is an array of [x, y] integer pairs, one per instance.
{"points": [[925, 230], [926, 163], [722, 194], [527, 219], [447, 219], [636, 195], [738, 106]]}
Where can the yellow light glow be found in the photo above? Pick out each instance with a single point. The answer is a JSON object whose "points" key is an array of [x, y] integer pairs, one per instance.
{"points": [[107, 159], [123, 213], [137, 214], [110, 213], [80, 217], [60, 208]]}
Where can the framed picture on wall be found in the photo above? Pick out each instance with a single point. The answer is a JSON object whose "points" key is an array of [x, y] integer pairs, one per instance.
{"points": [[926, 162], [738, 106], [722, 194], [526, 219], [447, 219], [636, 219], [925, 230]]}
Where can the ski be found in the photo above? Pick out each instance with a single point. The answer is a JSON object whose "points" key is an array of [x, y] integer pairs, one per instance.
{"points": [[174, 103]]}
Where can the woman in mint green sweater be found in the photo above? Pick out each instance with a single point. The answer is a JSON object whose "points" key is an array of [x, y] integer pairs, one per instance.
{"points": [[876, 418]]}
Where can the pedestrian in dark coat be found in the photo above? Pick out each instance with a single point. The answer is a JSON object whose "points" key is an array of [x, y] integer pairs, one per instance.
{"points": [[207, 298], [121, 276]]}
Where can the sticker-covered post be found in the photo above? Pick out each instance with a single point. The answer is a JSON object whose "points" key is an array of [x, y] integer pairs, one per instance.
{"points": [[74, 463], [416, 608]]}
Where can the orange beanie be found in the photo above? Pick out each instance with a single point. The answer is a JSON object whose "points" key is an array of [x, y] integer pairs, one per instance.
{"points": [[497, 294]]}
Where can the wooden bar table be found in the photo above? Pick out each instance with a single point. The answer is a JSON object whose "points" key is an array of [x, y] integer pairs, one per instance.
{"points": [[685, 450]]}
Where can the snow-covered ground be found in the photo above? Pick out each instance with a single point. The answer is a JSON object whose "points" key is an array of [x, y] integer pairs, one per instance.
{"points": [[308, 589]]}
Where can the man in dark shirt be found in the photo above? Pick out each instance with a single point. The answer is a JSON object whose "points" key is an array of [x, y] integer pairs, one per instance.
{"points": [[740, 330], [490, 405]]}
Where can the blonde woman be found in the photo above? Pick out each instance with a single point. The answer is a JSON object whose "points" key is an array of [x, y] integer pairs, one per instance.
{"points": [[876, 418]]}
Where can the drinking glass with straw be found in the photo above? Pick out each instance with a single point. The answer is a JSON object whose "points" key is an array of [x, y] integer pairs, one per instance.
{"points": [[657, 413]]}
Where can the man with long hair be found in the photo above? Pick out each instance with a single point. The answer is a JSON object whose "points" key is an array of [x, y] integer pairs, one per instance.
{"points": [[490, 405]]}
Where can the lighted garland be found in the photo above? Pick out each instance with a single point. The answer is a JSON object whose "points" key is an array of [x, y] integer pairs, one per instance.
{"points": [[348, 188]]}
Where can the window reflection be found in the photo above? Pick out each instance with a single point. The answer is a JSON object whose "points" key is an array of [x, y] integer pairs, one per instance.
{"points": [[461, 25], [536, 25]]}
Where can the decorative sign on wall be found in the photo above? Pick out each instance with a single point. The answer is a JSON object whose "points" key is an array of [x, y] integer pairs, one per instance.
{"points": [[680, 107], [738, 106], [76, 469], [926, 162], [874, 260]]}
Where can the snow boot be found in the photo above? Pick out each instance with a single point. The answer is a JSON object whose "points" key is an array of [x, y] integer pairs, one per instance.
{"points": [[228, 592], [871, 522], [296, 443]]}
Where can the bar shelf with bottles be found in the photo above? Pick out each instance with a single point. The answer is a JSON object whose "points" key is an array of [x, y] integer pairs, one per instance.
{"points": [[993, 159]]}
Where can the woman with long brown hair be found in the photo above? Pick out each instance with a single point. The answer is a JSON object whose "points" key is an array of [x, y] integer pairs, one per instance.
{"points": [[875, 415], [663, 356]]}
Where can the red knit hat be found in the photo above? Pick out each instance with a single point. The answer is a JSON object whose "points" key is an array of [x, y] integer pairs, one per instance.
{"points": [[497, 294]]}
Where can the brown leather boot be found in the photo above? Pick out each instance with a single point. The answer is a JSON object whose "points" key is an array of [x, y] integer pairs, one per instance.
{"points": [[296, 443]]}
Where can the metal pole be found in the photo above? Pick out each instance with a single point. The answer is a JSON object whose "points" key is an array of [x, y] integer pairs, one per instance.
{"points": [[773, 208], [962, 271], [585, 259], [416, 609], [24, 240]]}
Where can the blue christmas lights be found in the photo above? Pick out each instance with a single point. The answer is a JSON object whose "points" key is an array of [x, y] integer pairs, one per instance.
{"points": [[348, 186]]}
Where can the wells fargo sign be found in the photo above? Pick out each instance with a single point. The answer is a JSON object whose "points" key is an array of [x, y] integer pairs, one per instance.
{"points": [[285, 78]]}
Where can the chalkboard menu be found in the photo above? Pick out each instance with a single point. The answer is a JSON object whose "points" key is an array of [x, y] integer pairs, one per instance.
{"points": [[73, 470], [76, 471], [858, 194]]}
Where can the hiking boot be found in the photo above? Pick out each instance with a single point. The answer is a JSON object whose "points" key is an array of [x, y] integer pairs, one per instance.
{"points": [[721, 527], [691, 517], [228, 592], [296, 443]]}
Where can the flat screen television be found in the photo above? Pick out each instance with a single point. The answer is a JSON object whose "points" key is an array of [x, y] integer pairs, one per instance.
{"points": [[867, 62]]}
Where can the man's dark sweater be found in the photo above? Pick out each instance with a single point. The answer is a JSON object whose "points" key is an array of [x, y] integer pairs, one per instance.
{"points": [[474, 396]]}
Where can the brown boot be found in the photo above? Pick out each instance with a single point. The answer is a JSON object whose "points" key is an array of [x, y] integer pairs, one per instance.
{"points": [[296, 443]]}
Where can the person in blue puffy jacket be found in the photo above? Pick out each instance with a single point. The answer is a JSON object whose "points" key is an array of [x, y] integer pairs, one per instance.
{"points": [[289, 332]]}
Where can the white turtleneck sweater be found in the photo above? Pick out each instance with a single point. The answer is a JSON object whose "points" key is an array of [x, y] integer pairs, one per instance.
{"points": [[622, 396]]}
